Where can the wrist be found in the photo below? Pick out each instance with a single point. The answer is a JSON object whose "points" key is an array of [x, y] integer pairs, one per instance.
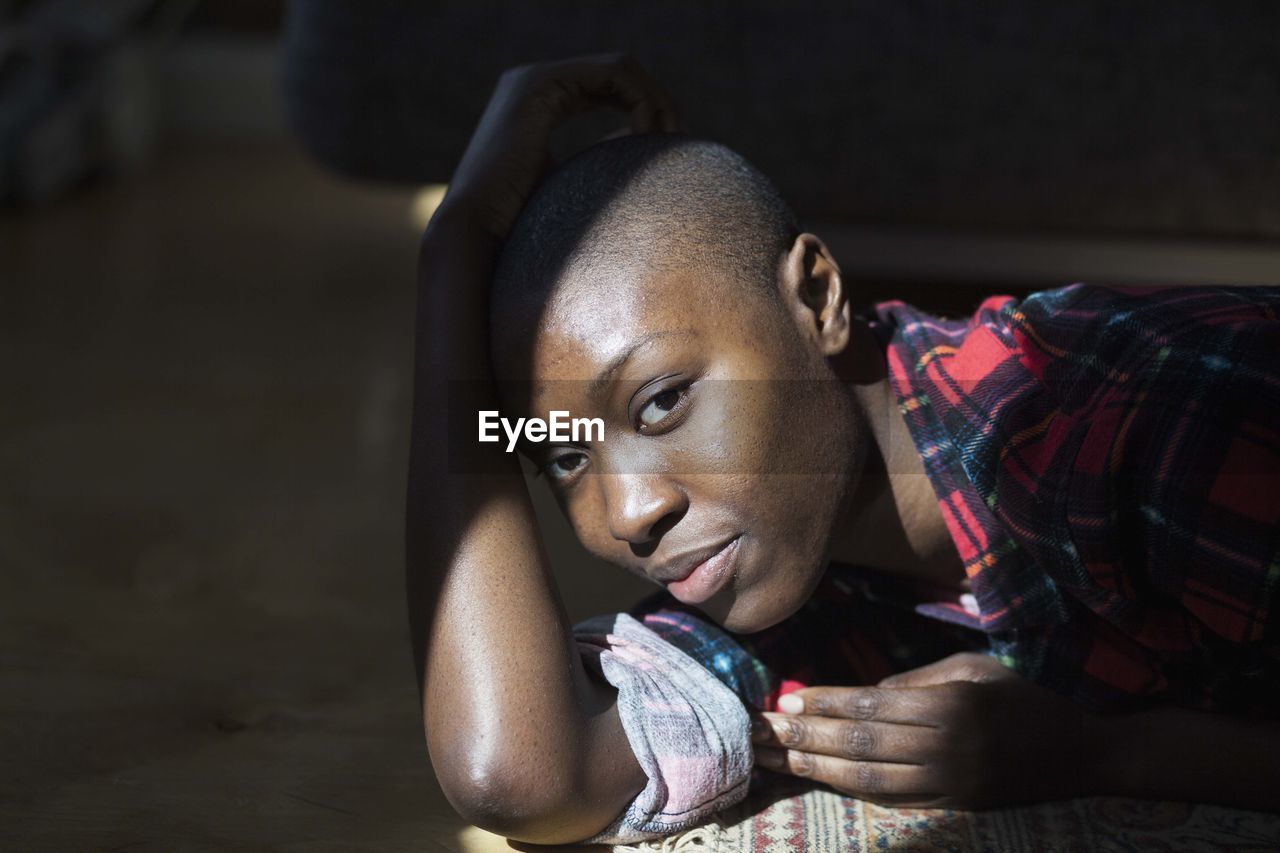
{"points": [[461, 215], [456, 261], [1114, 756]]}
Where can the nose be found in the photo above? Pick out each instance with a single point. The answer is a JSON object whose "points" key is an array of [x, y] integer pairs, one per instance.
{"points": [[641, 507]]}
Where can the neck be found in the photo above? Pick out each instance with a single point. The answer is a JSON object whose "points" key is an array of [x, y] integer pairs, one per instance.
{"points": [[892, 522]]}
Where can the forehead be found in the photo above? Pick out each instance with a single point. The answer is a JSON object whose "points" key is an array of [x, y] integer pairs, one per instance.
{"points": [[592, 318]]}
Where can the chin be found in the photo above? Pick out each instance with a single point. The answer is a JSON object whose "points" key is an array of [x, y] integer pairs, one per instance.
{"points": [[768, 589], [745, 619], [752, 610]]}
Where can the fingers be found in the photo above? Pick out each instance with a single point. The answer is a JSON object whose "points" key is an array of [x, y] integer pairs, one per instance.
{"points": [[868, 780], [961, 666], [852, 740], [915, 706], [614, 80], [655, 118], [621, 78]]}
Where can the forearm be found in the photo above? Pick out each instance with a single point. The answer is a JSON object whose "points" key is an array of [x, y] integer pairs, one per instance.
{"points": [[1173, 753], [503, 686]]}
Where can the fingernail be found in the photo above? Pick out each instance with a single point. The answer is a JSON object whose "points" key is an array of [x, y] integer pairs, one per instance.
{"points": [[759, 728], [791, 704]]}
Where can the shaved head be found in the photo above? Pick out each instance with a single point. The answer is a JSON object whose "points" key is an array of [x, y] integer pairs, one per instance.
{"points": [[660, 284], [655, 202]]}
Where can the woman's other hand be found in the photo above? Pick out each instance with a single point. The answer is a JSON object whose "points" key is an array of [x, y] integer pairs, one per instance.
{"points": [[964, 732], [510, 149]]}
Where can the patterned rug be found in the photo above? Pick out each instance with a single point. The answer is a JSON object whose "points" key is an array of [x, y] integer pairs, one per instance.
{"points": [[788, 817]]}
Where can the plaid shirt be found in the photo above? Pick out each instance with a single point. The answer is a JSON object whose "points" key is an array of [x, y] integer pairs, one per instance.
{"points": [[1107, 461]]}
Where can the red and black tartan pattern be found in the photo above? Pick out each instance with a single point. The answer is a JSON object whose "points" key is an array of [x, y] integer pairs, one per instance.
{"points": [[1107, 460]]}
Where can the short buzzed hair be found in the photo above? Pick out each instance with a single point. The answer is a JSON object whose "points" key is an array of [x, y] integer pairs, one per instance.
{"points": [[663, 199]]}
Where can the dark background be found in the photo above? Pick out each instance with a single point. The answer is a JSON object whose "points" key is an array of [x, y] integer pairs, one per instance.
{"points": [[209, 224]]}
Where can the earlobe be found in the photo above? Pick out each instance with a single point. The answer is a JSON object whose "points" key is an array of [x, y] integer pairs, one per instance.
{"points": [[813, 290]]}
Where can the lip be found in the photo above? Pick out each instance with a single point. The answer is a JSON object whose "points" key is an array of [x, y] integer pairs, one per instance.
{"points": [[707, 577]]}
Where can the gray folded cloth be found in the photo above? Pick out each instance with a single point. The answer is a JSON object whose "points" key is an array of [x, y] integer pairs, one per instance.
{"points": [[689, 732]]}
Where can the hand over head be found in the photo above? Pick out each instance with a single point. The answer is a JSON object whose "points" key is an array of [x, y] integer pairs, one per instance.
{"points": [[510, 148]]}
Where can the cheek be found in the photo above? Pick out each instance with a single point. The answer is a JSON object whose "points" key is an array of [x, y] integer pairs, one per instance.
{"points": [[779, 427], [586, 516], [734, 431], [768, 453], [804, 460], [585, 509]]}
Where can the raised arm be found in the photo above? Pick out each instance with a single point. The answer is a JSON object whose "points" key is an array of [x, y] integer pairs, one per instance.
{"points": [[523, 740]]}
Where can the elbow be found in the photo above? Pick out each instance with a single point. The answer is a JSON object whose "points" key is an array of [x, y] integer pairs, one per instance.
{"points": [[522, 801]]}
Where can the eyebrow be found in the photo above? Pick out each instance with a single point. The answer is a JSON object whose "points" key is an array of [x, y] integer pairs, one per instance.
{"points": [[605, 376]]}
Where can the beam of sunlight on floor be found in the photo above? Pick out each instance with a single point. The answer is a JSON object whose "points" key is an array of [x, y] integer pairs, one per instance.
{"points": [[424, 204], [473, 839]]}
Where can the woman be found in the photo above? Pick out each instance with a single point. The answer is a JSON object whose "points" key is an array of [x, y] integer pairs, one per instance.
{"points": [[767, 458]]}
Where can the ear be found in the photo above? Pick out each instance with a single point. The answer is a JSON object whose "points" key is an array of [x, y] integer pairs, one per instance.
{"points": [[813, 292]]}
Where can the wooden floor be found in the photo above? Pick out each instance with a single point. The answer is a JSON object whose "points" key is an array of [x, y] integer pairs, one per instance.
{"points": [[204, 388]]}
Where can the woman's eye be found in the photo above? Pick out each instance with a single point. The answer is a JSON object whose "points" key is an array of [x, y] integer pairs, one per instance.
{"points": [[659, 407], [563, 466]]}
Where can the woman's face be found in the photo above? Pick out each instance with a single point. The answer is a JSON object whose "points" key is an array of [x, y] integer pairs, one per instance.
{"points": [[729, 447]]}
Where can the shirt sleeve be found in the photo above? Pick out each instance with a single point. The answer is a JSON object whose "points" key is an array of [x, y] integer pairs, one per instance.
{"points": [[1202, 457], [1199, 488], [688, 729], [1173, 506]]}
